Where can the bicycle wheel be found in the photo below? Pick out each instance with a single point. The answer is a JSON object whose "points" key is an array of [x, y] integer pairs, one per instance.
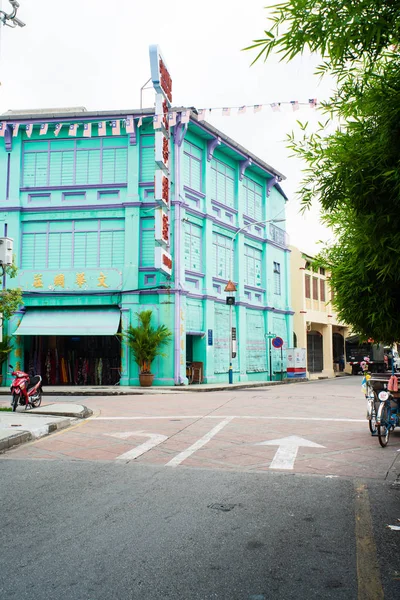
{"points": [[383, 426], [372, 423]]}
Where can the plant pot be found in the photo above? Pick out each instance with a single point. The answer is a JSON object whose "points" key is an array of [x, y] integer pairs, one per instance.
{"points": [[146, 379]]}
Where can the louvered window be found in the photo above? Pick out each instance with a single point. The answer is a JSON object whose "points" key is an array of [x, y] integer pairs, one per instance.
{"points": [[147, 242], [81, 162], [222, 183], [192, 163]]}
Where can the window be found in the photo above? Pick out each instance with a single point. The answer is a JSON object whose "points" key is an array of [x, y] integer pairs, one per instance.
{"points": [[277, 278], [322, 290], [308, 266], [252, 199], [192, 162], [147, 242], [222, 256], [68, 244], [315, 288], [147, 157], [253, 266], [308, 286], [321, 271], [82, 162], [192, 250], [222, 183]]}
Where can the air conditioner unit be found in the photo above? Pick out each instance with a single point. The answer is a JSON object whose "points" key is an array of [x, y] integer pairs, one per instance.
{"points": [[6, 251]]}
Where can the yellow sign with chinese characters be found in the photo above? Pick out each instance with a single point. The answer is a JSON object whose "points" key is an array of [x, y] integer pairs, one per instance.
{"points": [[80, 279], [38, 280], [59, 280], [102, 280]]}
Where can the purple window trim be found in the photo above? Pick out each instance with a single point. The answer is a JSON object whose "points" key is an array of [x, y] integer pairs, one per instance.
{"points": [[217, 288], [248, 295], [229, 216], [220, 280], [148, 279], [202, 333], [8, 175], [149, 184], [254, 288], [194, 192], [251, 221], [193, 199], [65, 195], [195, 281], [38, 197], [224, 206], [150, 269], [89, 186], [217, 211], [110, 192], [196, 273], [258, 297]]}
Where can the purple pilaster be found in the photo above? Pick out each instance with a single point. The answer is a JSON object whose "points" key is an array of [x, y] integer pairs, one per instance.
{"points": [[178, 139]]}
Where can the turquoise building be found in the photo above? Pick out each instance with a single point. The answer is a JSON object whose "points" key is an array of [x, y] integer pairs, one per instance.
{"points": [[77, 197]]}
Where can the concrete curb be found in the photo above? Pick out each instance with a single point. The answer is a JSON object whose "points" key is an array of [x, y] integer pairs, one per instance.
{"points": [[66, 412], [17, 437], [139, 391]]}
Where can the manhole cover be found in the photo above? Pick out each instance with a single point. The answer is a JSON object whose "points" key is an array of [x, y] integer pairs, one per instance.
{"points": [[223, 507]]}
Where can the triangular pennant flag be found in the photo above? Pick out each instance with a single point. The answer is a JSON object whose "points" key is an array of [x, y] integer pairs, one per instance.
{"points": [[140, 122], [295, 105], [43, 128], [102, 128], [226, 112], [2, 129], [241, 110], [129, 125], [201, 115], [57, 128], [312, 102], [185, 116], [257, 108], [29, 129], [157, 119], [15, 129], [116, 127], [87, 130], [275, 107], [172, 119], [73, 129]]}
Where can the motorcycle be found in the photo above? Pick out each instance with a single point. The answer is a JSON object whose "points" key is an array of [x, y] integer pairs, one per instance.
{"points": [[25, 390]]}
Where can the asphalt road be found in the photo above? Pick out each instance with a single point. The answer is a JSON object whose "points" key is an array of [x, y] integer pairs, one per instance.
{"points": [[93, 529]]}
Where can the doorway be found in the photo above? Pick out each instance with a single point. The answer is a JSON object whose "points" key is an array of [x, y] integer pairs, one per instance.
{"points": [[315, 355]]}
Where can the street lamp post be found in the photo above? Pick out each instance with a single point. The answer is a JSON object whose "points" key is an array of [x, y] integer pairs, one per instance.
{"points": [[231, 287], [10, 19]]}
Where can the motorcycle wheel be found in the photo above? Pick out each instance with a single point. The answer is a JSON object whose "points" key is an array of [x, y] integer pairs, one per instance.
{"points": [[14, 402], [36, 403]]}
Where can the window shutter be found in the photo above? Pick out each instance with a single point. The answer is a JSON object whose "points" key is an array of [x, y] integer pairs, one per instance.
{"points": [[29, 169], [308, 286], [315, 288], [28, 251], [322, 290], [147, 243]]}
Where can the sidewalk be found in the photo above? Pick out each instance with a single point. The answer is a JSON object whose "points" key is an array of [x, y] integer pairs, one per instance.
{"points": [[119, 390], [24, 426]]}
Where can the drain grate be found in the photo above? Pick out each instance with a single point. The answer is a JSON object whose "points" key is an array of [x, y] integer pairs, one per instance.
{"points": [[223, 507]]}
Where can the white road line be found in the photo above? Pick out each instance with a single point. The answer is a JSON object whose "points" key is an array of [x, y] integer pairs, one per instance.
{"points": [[179, 458], [155, 440], [269, 418]]}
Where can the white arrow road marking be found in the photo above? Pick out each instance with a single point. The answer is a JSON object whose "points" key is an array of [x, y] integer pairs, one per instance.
{"points": [[155, 440], [199, 444], [287, 451]]}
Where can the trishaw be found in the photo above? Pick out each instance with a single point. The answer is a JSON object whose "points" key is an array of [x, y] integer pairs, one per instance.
{"points": [[383, 404]]}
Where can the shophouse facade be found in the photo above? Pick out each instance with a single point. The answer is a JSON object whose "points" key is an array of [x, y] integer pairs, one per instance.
{"points": [[315, 323], [77, 195]]}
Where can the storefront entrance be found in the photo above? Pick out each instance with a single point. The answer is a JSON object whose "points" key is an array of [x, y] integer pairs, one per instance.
{"points": [[72, 346], [75, 360], [315, 356]]}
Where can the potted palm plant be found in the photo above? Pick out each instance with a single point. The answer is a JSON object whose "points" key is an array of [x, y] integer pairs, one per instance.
{"points": [[5, 349], [146, 342]]}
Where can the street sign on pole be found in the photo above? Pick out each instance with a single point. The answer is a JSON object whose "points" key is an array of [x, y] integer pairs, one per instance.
{"points": [[277, 342]]}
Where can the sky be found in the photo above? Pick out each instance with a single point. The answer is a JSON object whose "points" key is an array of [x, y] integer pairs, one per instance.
{"points": [[94, 53]]}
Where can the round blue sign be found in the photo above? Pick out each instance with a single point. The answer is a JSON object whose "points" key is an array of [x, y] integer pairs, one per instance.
{"points": [[277, 342]]}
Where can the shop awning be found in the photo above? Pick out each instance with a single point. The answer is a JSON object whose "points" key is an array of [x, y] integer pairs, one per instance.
{"points": [[70, 321]]}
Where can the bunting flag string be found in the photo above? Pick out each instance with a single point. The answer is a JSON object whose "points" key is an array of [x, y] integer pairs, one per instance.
{"points": [[168, 118]]}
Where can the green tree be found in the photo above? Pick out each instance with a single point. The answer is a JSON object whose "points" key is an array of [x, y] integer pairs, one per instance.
{"points": [[10, 299], [354, 171], [145, 341]]}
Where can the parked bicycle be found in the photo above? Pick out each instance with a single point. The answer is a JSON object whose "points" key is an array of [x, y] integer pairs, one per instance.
{"points": [[386, 392]]}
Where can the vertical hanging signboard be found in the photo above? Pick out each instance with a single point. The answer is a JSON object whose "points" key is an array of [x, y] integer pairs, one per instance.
{"points": [[162, 84]]}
